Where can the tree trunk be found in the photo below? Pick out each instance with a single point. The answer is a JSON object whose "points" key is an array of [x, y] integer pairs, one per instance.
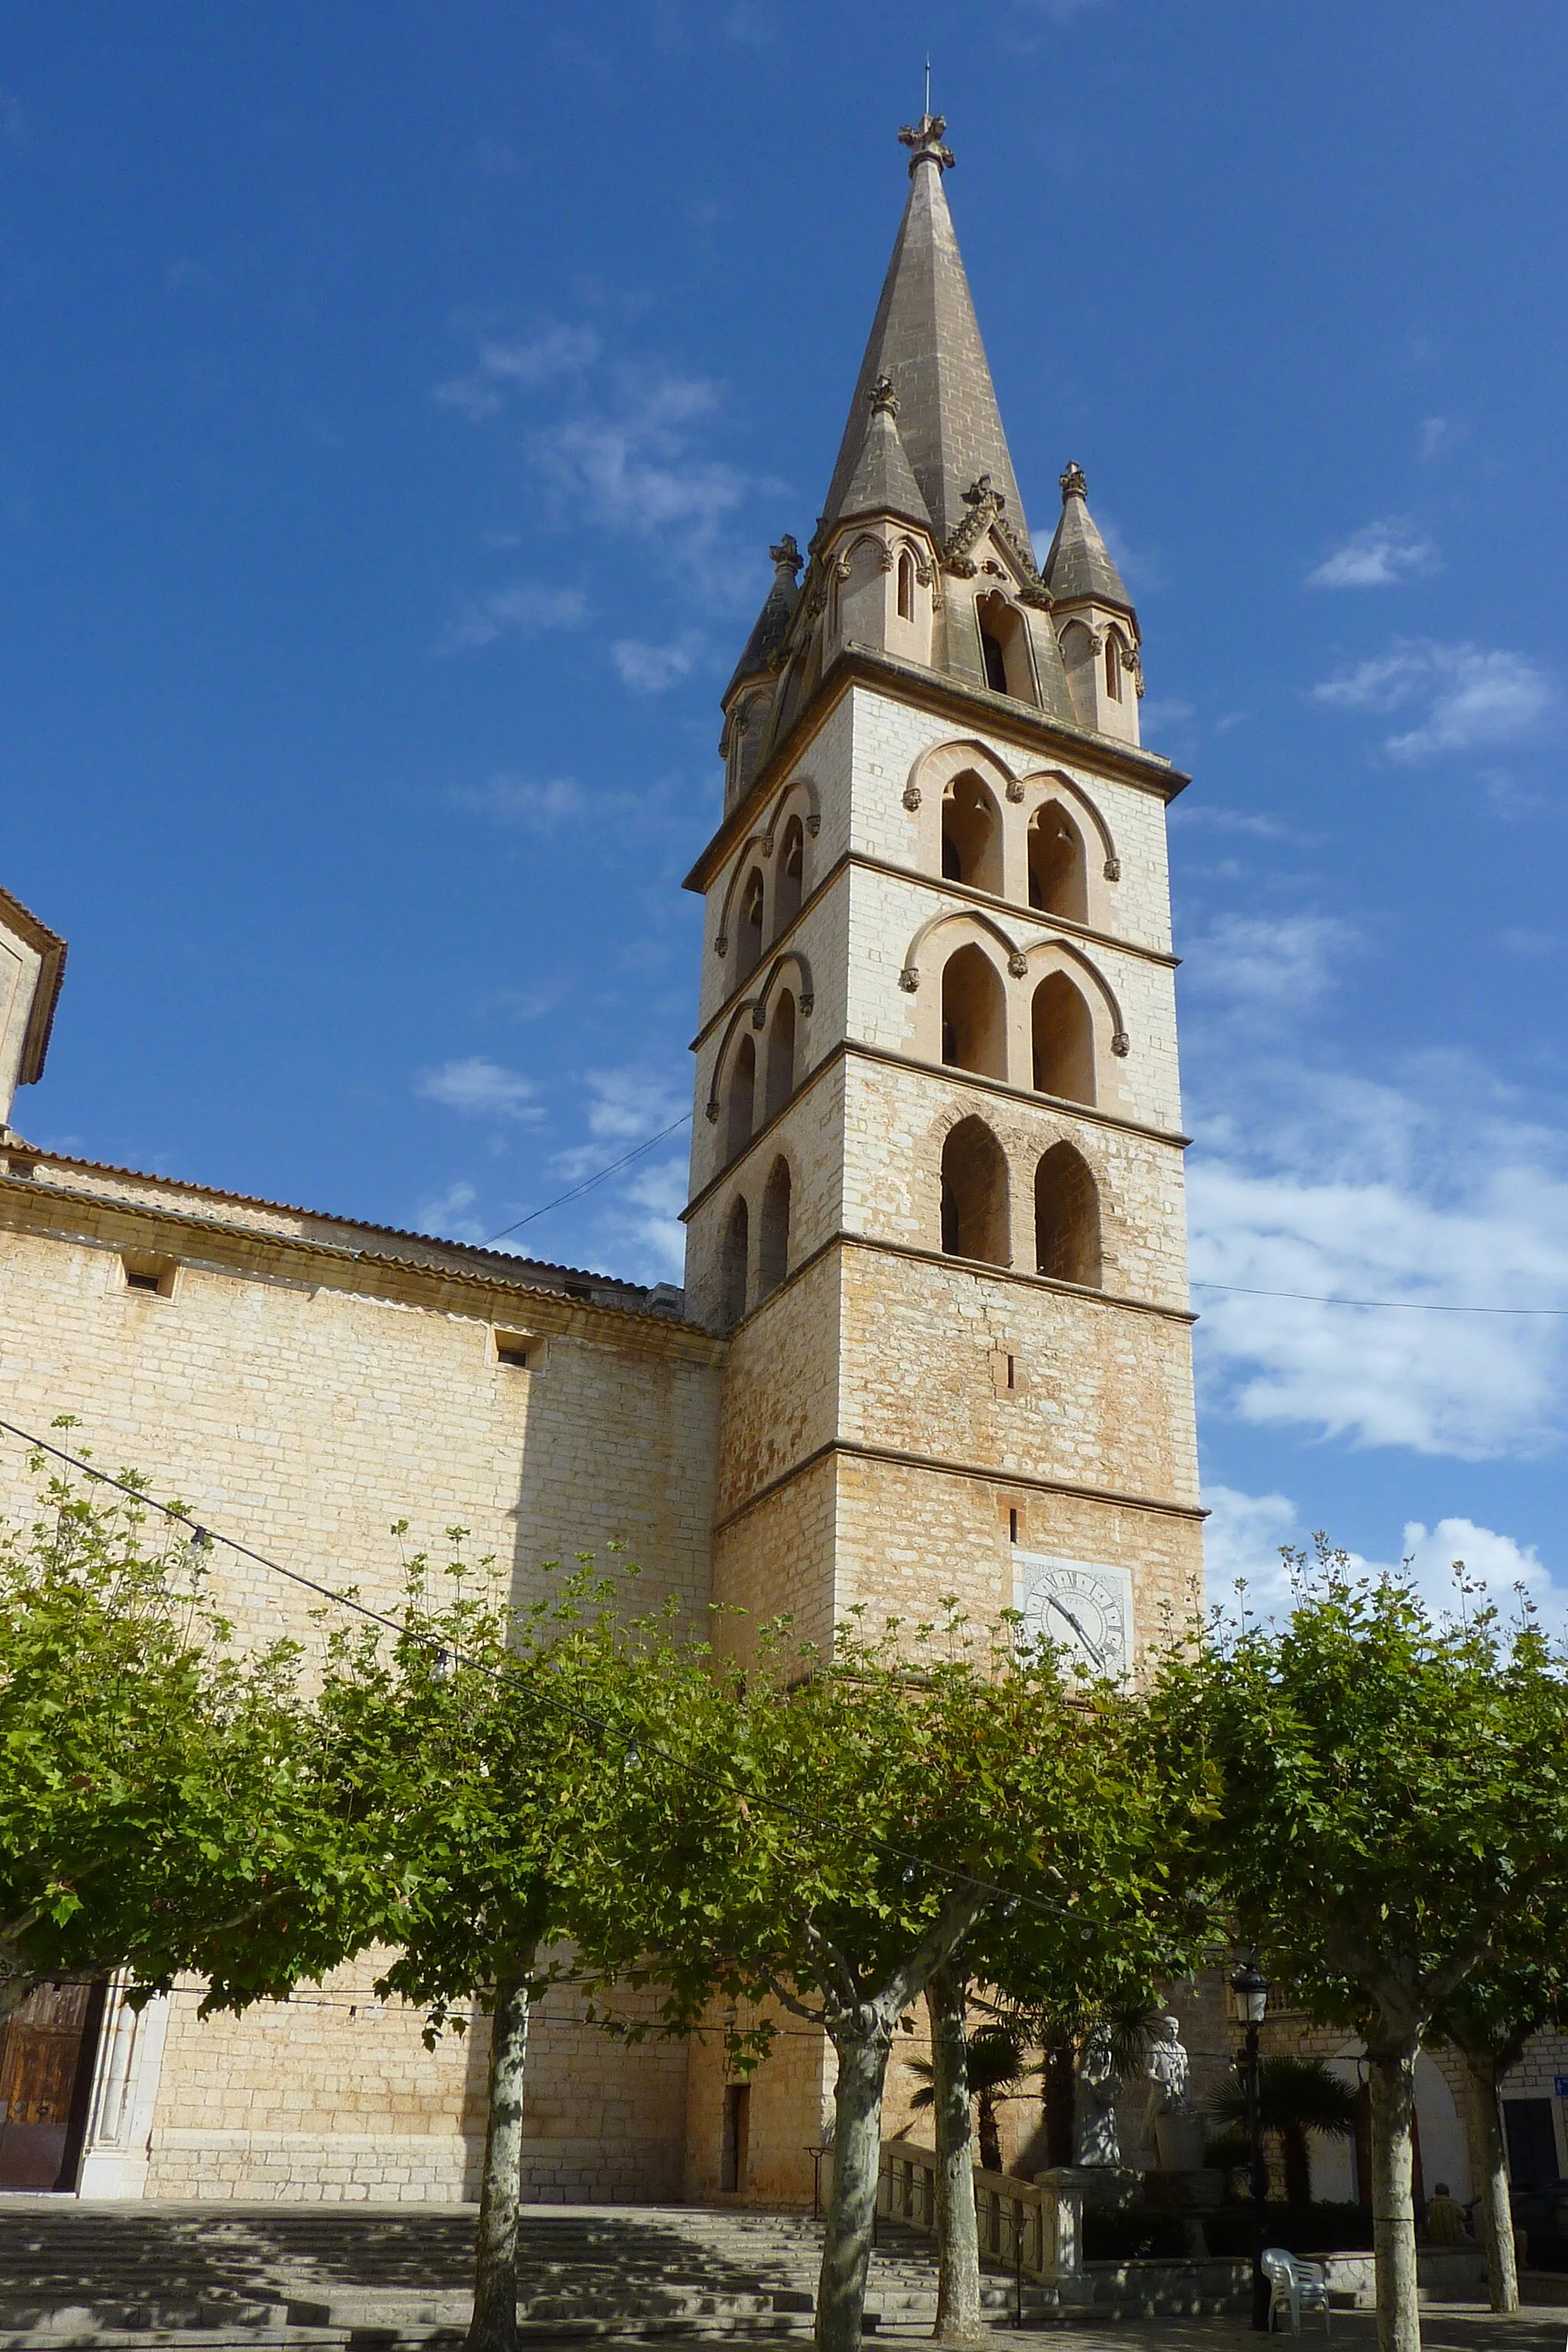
{"points": [[1393, 2204], [1490, 2169], [1298, 2164], [957, 2237], [856, 2165], [493, 2327]]}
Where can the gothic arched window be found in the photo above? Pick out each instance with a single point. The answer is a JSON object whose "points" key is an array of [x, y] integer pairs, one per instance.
{"points": [[734, 1266], [1004, 648], [973, 1013], [1113, 666], [773, 1241], [975, 1194], [1066, 1217], [781, 1056], [906, 586], [749, 943], [970, 836], [1063, 1033], [788, 887], [1056, 870], [742, 1103]]}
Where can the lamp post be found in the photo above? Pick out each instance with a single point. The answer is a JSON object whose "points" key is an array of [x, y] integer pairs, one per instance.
{"points": [[1250, 1987]]}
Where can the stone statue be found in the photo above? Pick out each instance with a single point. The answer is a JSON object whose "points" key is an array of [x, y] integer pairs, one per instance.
{"points": [[1099, 2088], [1169, 2074]]}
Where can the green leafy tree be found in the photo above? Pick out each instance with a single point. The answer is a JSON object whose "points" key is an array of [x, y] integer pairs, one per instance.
{"points": [[861, 1817], [482, 1752], [1520, 1987], [158, 1794], [1296, 2096], [1390, 1794]]}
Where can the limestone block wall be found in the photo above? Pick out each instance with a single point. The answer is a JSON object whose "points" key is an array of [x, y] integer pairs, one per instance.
{"points": [[300, 1398], [909, 1536], [942, 1360], [789, 2110], [897, 1118], [809, 1136]]}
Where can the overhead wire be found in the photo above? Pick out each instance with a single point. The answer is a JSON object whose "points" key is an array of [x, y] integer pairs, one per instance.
{"points": [[204, 1536], [589, 1182], [1411, 1306]]}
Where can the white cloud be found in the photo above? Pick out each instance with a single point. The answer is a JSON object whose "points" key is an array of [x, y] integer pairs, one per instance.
{"points": [[1169, 713], [645, 1220], [1468, 696], [1352, 1190], [1217, 819], [480, 1090], [651, 670], [522, 801], [634, 468], [1437, 435], [544, 358], [626, 1105], [446, 1214], [1379, 555], [1269, 964], [520, 611], [1243, 1535]]}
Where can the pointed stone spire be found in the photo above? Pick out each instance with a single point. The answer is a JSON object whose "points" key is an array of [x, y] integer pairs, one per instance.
{"points": [[1080, 565], [773, 622], [883, 481], [925, 341]]}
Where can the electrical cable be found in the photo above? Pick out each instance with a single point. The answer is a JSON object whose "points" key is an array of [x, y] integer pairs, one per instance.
{"points": [[589, 1182], [202, 1537], [1411, 1306]]}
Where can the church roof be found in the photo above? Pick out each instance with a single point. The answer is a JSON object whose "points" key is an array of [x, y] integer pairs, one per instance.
{"points": [[883, 481], [1079, 562], [772, 625], [925, 340]]}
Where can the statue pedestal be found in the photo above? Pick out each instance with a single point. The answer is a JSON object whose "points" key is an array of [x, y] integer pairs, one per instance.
{"points": [[1098, 2185], [1179, 2142]]}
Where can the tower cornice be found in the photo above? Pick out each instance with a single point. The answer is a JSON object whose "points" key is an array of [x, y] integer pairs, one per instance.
{"points": [[943, 696]]}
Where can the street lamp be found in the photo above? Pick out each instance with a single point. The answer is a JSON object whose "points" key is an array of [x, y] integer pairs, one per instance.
{"points": [[1250, 1986]]}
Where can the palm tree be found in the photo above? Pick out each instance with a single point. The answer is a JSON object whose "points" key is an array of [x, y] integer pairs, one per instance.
{"points": [[996, 2070], [1296, 2096]]}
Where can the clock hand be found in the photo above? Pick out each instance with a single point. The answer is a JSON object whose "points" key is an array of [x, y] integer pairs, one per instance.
{"points": [[1062, 1610]]}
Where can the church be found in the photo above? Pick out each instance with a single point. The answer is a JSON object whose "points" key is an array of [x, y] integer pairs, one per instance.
{"points": [[934, 1335]]}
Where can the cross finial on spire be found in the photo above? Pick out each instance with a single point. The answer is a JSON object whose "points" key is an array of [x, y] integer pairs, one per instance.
{"points": [[1072, 481], [923, 139]]}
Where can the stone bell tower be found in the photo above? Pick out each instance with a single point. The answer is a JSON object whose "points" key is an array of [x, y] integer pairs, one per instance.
{"points": [[936, 1181]]}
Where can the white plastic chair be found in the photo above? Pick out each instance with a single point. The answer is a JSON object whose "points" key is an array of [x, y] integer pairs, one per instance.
{"points": [[1294, 2286]]}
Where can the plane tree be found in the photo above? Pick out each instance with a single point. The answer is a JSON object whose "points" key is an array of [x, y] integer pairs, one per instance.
{"points": [[1391, 1793]]}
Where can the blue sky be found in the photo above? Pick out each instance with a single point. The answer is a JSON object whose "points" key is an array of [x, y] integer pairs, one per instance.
{"points": [[399, 399]]}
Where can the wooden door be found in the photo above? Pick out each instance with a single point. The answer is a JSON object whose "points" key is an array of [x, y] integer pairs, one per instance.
{"points": [[47, 2050]]}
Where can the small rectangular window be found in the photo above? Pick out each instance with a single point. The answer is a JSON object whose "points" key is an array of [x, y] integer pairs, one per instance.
{"points": [[152, 1274], [512, 1349]]}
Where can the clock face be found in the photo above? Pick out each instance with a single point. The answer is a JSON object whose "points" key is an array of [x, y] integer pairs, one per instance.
{"points": [[1083, 1606]]}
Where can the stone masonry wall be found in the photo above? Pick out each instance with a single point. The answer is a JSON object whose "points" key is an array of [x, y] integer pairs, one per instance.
{"points": [[300, 1401]]}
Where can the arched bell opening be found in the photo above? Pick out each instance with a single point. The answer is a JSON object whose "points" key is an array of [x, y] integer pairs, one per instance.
{"points": [[973, 1013], [1057, 871], [781, 1055], [1063, 1038], [971, 835], [742, 1100], [788, 887], [773, 1240], [749, 930], [734, 1264], [975, 1221], [1067, 1218]]}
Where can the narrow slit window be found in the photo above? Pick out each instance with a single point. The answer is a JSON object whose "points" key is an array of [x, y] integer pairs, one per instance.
{"points": [[1012, 1527], [1012, 1371], [906, 586]]}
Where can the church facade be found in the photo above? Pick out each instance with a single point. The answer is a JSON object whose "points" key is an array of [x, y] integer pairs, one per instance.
{"points": [[934, 1337]]}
